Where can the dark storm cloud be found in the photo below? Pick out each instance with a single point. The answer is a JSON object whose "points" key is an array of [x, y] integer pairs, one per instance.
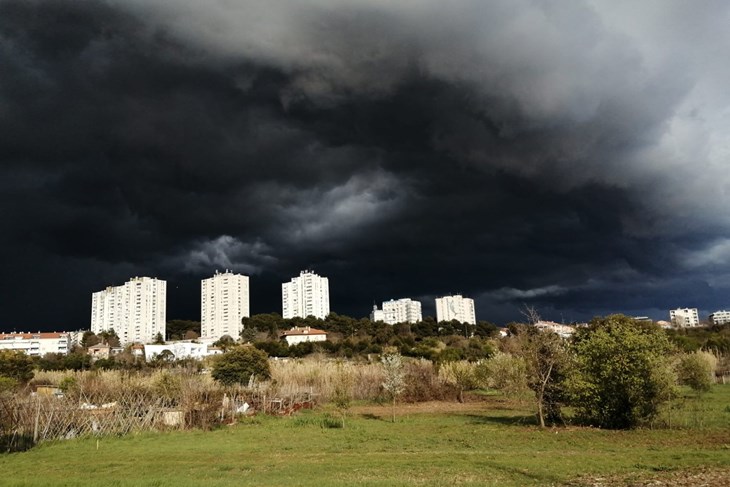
{"points": [[553, 154]]}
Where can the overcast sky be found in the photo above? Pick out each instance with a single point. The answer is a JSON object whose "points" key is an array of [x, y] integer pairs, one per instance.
{"points": [[572, 155]]}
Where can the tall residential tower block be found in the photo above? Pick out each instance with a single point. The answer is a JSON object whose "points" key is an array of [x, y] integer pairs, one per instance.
{"points": [[224, 301], [457, 308], [306, 295], [136, 310]]}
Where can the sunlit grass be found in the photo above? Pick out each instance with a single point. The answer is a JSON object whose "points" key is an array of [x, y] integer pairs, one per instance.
{"points": [[480, 444]]}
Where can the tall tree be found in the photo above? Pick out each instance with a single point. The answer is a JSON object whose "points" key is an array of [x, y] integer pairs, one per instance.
{"points": [[547, 359]]}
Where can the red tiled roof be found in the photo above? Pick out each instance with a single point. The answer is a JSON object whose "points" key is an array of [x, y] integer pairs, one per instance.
{"points": [[303, 331], [30, 336]]}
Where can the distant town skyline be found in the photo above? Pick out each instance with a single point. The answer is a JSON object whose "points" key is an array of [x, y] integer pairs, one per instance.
{"points": [[572, 156]]}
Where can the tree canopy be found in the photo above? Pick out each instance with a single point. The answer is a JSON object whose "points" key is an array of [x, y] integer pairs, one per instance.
{"points": [[16, 365], [623, 372], [240, 364]]}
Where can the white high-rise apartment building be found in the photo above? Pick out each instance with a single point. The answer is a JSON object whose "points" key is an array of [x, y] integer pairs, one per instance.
{"points": [[401, 311], [457, 308], [684, 317], [135, 310], [223, 303], [720, 317], [306, 295]]}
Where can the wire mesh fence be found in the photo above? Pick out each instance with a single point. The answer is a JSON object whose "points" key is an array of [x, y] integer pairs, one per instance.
{"points": [[28, 419]]}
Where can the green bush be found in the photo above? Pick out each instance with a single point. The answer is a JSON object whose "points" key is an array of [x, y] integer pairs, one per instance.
{"points": [[623, 372], [504, 372], [68, 384], [697, 370], [16, 365], [7, 384], [240, 364]]}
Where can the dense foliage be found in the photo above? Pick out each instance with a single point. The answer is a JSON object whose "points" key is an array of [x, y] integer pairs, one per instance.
{"points": [[623, 372], [182, 329], [547, 362], [240, 364], [16, 365], [697, 370], [77, 360], [713, 338]]}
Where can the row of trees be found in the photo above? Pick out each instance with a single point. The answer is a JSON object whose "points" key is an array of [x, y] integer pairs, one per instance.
{"points": [[272, 324]]}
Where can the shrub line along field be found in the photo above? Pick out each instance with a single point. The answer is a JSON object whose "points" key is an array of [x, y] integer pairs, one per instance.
{"points": [[485, 441]]}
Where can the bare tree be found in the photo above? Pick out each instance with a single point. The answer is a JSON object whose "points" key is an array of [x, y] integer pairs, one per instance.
{"points": [[530, 313]]}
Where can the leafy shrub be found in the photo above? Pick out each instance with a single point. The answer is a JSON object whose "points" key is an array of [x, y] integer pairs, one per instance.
{"points": [[459, 374], [623, 374], [697, 370], [7, 384], [240, 364], [423, 383], [504, 372], [16, 365], [68, 384]]}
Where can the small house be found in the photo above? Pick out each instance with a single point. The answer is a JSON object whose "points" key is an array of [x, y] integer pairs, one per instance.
{"points": [[303, 334]]}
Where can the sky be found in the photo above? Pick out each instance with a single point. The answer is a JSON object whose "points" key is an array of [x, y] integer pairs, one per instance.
{"points": [[573, 156]]}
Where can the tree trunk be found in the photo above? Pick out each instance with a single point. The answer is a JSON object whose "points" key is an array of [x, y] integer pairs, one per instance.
{"points": [[393, 409], [540, 414]]}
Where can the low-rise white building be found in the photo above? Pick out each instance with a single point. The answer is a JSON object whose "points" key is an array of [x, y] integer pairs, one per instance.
{"points": [[403, 310], [377, 315], [180, 350], [36, 344], [564, 331], [720, 317], [684, 317], [303, 334]]}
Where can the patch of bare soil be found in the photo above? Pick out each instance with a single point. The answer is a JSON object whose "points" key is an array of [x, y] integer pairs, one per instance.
{"points": [[703, 477]]}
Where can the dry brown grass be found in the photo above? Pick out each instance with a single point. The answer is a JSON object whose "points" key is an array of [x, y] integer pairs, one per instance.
{"points": [[117, 402], [318, 376]]}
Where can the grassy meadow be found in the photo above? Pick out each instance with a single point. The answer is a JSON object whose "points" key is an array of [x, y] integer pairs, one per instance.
{"points": [[486, 441]]}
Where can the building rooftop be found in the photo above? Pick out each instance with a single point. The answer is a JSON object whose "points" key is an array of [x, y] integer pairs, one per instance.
{"points": [[30, 336], [304, 330]]}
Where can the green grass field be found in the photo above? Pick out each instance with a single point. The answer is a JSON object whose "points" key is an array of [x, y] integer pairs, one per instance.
{"points": [[481, 443]]}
